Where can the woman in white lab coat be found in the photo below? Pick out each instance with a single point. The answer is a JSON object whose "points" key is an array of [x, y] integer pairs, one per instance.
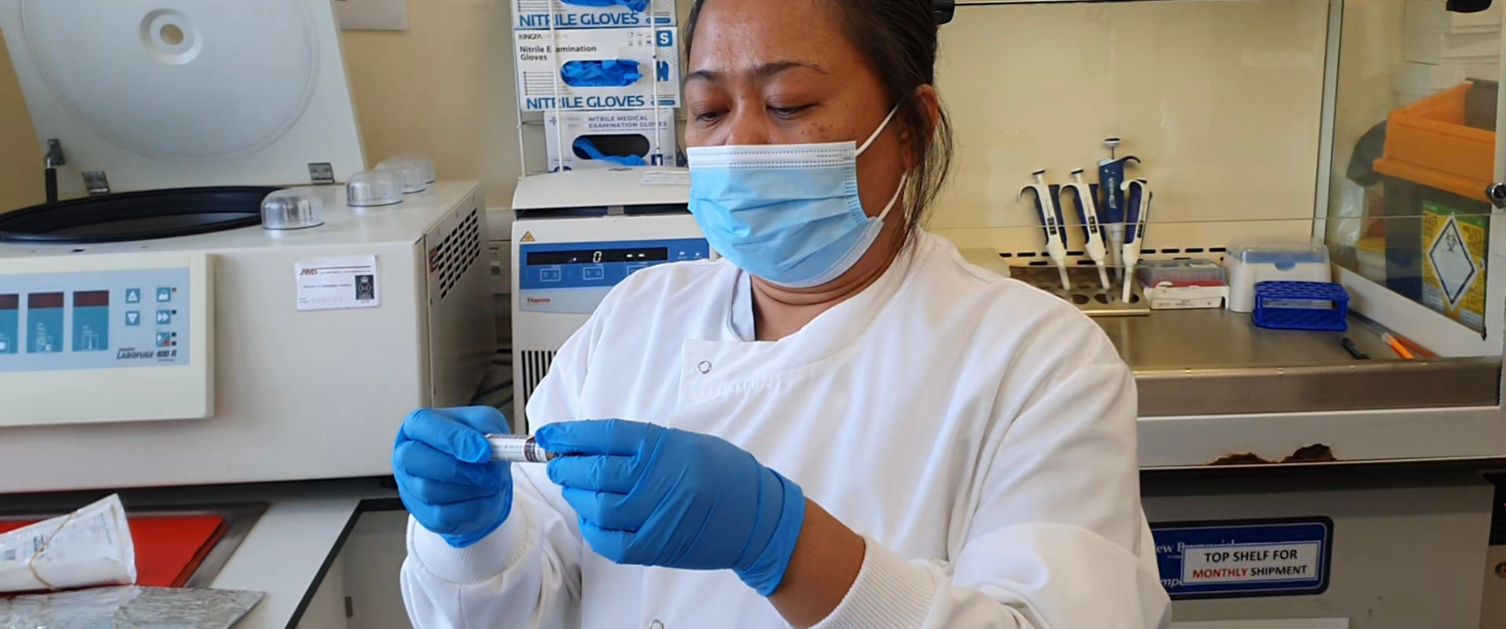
{"points": [[840, 424]]}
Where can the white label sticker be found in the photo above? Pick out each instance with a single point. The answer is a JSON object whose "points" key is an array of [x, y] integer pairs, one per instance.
{"points": [[1240, 564], [338, 283]]}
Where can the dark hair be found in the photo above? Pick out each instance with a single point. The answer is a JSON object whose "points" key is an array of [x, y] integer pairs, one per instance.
{"points": [[898, 38]]}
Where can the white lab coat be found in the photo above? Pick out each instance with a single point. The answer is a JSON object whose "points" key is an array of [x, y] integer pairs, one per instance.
{"points": [[979, 433]]}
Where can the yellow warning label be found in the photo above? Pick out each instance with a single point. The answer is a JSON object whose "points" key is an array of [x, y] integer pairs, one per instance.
{"points": [[527, 237], [1453, 269]]}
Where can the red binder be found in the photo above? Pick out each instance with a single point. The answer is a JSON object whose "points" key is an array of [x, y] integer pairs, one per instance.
{"points": [[168, 548]]}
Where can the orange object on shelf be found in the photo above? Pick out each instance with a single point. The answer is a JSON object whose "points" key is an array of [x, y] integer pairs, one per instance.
{"points": [[168, 548], [1428, 143]]}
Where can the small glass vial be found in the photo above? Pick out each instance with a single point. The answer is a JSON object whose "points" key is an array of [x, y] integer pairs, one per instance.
{"points": [[518, 449]]}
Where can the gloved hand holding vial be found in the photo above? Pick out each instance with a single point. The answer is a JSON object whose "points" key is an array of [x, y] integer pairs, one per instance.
{"points": [[446, 475]]}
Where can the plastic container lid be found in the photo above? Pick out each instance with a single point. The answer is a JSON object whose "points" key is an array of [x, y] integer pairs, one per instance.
{"points": [[82, 66], [291, 209], [423, 162], [412, 174], [1281, 254], [374, 188]]}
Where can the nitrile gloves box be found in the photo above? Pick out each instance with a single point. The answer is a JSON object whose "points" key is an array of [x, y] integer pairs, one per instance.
{"points": [[602, 68], [611, 139], [534, 14]]}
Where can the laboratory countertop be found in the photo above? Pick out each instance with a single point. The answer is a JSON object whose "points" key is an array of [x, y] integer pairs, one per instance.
{"points": [[1212, 361], [296, 533]]}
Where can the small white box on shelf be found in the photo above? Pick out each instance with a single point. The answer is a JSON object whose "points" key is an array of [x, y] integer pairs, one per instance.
{"points": [[601, 68], [622, 138]]}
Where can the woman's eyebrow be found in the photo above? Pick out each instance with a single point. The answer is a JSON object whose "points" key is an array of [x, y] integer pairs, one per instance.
{"points": [[761, 73]]}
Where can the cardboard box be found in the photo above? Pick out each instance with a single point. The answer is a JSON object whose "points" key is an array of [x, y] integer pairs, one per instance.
{"points": [[540, 62], [620, 133], [534, 14]]}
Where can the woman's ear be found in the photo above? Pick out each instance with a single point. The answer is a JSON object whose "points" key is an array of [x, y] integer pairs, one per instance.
{"points": [[930, 110], [930, 105]]}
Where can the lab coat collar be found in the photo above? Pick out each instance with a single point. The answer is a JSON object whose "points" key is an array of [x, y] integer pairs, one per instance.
{"points": [[712, 366]]}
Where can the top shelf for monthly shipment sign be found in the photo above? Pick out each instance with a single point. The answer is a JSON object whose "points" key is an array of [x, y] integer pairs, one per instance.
{"points": [[1229, 559]]}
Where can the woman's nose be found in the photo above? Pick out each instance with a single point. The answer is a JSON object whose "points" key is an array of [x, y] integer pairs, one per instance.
{"points": [[748, 126]]}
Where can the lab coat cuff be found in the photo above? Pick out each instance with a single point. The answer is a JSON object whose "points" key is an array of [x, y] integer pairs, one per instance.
{"points": [[889, 592], [492, 555]]}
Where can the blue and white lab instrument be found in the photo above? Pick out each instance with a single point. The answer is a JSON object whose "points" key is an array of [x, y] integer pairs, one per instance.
{"points": [[1051, 221], [1138, 206], [576, 235], [1110, 180], [1087, 212]]}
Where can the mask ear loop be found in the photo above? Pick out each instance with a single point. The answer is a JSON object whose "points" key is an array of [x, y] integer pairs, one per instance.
{"points": [[894, 200], [880, 129]]}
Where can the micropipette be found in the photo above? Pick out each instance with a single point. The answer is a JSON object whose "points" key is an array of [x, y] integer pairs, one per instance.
{"points": [[518, 449], [1138, 212], [1110, 178], [1051, 220], [1088, 214]]}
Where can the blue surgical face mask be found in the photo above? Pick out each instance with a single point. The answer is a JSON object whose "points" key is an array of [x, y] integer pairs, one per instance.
{"points": [[788, 213]]}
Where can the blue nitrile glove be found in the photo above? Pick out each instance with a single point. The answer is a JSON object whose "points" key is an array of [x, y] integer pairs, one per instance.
{"points": [[585, 145], [600, 73], [446, 476], [656, 496], [636, 6]]}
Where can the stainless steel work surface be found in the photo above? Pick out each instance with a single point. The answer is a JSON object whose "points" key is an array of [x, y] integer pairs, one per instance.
{"points": [[1213, 362]]}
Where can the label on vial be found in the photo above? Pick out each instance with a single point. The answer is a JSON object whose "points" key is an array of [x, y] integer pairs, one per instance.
{"points": [[518, 450]]}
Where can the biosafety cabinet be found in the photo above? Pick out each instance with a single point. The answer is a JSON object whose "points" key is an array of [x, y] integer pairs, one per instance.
{"points": [[1347, 144]]}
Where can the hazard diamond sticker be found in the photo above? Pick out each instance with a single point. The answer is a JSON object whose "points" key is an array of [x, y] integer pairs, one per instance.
{"points": [[1451, 260]]}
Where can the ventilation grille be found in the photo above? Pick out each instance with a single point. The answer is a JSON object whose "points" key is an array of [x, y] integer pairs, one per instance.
{"points": [[457, 252], [535, 366]]}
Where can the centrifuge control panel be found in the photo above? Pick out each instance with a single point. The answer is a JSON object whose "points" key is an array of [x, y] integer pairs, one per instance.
{"points": [[105, 337], [574, 277], [94, 320]]}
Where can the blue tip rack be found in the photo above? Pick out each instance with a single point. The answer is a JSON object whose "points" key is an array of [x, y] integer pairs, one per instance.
{"points": [[1301, 306]]}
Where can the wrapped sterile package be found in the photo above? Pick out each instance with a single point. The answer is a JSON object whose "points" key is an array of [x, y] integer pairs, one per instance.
{"points": [[128, 606], [91, 546]]}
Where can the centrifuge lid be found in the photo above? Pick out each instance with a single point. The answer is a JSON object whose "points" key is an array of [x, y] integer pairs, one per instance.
{"points": [[184, 93]]}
